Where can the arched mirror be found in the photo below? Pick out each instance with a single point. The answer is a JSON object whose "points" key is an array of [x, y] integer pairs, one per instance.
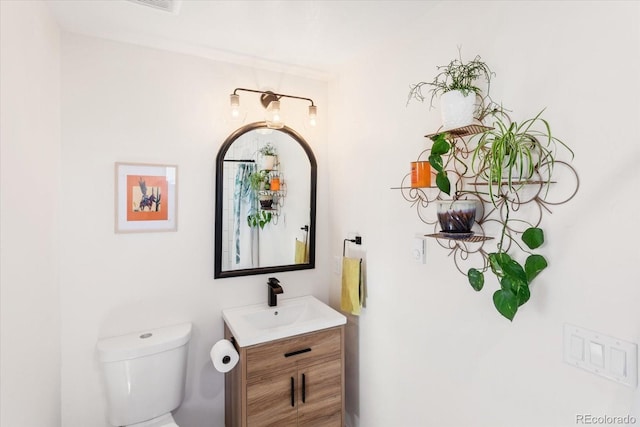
{"points": [[265, 202]]}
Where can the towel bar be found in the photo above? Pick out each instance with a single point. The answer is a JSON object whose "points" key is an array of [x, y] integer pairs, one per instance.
{"points": [[357, 241]]}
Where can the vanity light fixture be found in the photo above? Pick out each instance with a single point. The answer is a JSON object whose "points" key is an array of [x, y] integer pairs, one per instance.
{"points": [[271, 102]]}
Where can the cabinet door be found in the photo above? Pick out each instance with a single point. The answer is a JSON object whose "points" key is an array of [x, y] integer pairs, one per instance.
{"points": [[271, 401], [320, 395]]}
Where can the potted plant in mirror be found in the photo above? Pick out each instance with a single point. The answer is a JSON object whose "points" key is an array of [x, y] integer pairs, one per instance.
{"points": [[511, 153], [269, 153], [456, 83], [257, 180], [266, 200], [259, 218]]}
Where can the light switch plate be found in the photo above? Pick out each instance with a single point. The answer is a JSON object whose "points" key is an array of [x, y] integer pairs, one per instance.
{"points": [[601, 354]]}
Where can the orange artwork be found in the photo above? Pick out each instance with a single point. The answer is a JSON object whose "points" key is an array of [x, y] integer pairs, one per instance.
{"points": [[147, 198]]}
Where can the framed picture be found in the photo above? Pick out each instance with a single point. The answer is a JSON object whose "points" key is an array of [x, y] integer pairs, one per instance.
{"points": [[146, 197]]}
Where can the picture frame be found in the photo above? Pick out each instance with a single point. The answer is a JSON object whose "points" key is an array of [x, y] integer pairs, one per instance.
{"points": [[145, 197]]}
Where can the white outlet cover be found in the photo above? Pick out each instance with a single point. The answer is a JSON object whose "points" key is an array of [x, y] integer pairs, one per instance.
{"points": [[601, 354]]}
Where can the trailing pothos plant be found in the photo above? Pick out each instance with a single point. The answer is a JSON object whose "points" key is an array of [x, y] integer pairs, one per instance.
{"points": [[439, 148], [514, 278], [259, 218], [507, 156]]}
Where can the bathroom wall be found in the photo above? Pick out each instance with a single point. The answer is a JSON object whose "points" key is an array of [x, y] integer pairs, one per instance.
{"points": [[433, 350], [29, 205], [124, 103]]}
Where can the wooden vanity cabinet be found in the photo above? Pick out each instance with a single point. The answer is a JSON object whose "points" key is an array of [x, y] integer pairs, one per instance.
{"points": [[296, 381]]}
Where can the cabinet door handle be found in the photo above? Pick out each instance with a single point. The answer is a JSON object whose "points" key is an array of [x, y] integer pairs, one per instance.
{"points": [[304, 388], [292, 393], [295, 353]]}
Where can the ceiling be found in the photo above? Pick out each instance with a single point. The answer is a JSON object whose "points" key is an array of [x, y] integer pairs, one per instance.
{"points": [[312, 38]]}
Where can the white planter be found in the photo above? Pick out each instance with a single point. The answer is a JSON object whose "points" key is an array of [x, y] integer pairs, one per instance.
{"points": [[268, 162], [456, 109]]}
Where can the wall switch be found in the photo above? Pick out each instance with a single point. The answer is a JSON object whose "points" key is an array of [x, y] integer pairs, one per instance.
{"points": [[418, 252], [618, 362], [577, 348], [602, 355], [597, 354]]}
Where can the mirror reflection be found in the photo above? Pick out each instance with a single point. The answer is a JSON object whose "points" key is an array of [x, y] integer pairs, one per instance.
{"points": [[265, 202]]}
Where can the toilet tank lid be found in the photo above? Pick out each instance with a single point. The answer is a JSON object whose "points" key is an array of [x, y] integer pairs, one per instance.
{"points": [[143, 343]]}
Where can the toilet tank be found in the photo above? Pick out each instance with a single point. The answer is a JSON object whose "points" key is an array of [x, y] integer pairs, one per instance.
{"points": [[144, 373]]}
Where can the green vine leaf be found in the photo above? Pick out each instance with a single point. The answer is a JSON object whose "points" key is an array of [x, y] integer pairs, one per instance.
{"points": [[497, 261], [442, 181], [435, 160], [514, 270], [523, 294], [533, 237], [440, 145], [476, 279], [506, 303], [534, 265], [518, 287]]}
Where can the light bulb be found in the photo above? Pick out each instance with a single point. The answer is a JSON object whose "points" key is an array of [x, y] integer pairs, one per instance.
{"points": [[274, 119], [235, 105], [313, 114]]}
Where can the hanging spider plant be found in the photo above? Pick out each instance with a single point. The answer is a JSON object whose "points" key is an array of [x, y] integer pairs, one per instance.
{"points": [[511, 152]]}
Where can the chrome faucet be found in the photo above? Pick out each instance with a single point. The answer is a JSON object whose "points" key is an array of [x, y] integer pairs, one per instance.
{"points": [[274, 289]]}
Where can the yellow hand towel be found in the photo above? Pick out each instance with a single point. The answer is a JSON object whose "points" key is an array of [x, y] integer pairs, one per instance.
{"points": [[301, 253], [351, 300]]}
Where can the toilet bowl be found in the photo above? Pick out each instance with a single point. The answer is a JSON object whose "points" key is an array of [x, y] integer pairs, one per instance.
{"points": [[144, 374]]}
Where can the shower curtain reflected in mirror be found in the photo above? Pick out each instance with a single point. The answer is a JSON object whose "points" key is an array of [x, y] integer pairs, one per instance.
{"points": [[245, 244]]}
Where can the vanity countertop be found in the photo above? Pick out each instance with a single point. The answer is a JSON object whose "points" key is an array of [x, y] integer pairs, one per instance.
{"points": [[259, 323]]}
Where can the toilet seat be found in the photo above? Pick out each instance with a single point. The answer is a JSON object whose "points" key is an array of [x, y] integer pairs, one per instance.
{"points": [[165, 420]]}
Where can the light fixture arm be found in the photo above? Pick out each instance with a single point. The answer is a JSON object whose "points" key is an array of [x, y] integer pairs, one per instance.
{"points": [[271, 96]]}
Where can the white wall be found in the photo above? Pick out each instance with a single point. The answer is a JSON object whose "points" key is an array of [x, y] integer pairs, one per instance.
{"points": [[433, 352], [123, 103], [29, 174], [456, 362]]}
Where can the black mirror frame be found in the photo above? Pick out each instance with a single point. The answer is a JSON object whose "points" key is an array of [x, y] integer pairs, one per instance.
{"points": [[218, 273]]}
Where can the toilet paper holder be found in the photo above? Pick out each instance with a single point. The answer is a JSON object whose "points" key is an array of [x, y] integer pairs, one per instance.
{"points": [[224, 355], [227, 359]]}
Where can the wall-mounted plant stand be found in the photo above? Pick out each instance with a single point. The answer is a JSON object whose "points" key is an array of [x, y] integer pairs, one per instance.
{"points": [[507, 171], [524, 206], [277, 196]]}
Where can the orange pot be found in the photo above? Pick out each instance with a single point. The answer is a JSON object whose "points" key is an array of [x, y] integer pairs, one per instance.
{"points": [[275, 184], [420, 174]]}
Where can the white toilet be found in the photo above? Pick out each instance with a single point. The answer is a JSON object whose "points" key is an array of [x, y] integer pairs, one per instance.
{"points": [[145, 375]]}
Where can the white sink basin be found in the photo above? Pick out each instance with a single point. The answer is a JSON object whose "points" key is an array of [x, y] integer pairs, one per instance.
{"points": [[255, 324]]}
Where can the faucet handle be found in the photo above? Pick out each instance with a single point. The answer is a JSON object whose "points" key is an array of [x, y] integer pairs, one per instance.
{"points": [[273, 282]]}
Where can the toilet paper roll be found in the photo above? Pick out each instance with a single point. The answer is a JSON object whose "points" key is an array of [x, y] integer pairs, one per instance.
{"points": [[224, 356]]}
